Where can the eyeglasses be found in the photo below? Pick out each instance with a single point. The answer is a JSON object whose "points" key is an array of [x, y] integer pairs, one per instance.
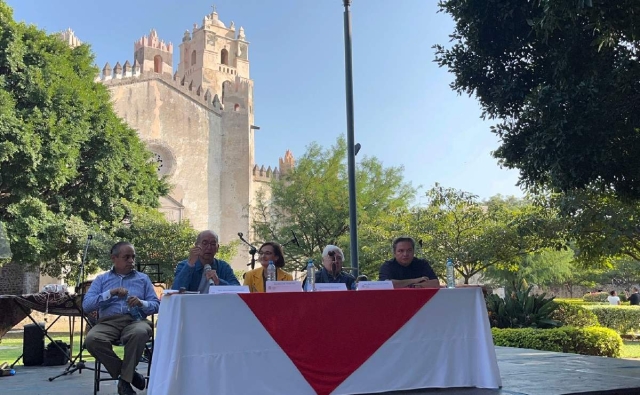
{"points": [[265, 253], [206, 244]]}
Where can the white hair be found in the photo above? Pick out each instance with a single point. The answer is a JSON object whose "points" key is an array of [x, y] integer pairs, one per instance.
{"points": [[207, 232], [329, 248]]}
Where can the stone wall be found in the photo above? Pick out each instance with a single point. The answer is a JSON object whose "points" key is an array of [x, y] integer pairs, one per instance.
{"points": [[11, 279]]}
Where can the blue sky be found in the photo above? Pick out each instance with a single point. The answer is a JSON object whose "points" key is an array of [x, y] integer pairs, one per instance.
{"points": [[405, 112]]}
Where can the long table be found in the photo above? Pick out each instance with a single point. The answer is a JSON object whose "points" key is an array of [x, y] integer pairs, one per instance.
{"points": [[347, 342]]}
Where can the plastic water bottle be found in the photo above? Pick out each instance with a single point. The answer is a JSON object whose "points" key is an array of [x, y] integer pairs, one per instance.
{"points": [[7, 372], [451, 276], [310, 284], [135, 312], [271, 272]]}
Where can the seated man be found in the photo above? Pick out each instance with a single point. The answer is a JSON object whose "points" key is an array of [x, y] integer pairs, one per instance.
{"points": [[124, 297], [191, 273], [634, 298], [331, 272], [405, 270]]}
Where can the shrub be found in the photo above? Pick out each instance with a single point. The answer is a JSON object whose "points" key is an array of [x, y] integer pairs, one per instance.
{"points": [[600, 297], [571, 314], [623, 319], [519, 309], [586, 341]]}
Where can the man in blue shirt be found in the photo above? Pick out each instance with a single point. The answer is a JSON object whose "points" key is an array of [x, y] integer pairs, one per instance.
{"points": [[405, 270], [123, 298], [201, 268]]}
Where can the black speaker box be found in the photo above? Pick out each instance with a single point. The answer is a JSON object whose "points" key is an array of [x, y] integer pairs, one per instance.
{"points": [[33, 345]]}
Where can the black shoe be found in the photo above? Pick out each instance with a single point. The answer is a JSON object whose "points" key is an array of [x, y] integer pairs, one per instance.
{"points": [[138, 381], [124, 388]]}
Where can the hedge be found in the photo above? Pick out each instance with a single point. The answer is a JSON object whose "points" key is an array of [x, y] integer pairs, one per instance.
{"points": [[623, 319], [586, 341], [571, 314], [600, 297]]}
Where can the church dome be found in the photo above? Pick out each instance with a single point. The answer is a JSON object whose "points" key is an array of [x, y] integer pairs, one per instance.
{"points": [[215, 20]]}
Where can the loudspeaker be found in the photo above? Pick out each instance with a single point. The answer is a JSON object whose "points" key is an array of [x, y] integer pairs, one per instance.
{"points": [[33, 345]]}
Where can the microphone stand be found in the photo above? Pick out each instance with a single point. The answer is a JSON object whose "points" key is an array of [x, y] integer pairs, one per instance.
{"points": [[80, 364], [252, 250]]}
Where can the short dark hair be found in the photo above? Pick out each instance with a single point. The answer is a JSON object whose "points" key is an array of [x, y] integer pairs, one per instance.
{"points": [[612, 292], [403, 239], [277, 251], [115, 250]]}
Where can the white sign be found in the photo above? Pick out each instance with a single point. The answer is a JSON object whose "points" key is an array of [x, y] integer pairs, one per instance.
{"points": [[229, 289], [328, 287], [374, 285], [284, 286]]}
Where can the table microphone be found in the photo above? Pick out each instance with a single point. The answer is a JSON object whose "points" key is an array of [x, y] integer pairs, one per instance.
{"points": [[207, 268]]}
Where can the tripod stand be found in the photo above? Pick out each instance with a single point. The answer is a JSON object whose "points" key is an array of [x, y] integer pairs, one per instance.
{"points": [[78, 363], [253, 251]]}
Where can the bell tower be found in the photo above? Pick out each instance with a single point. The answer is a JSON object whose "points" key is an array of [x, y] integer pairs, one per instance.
{"points": [[153, 55], [213, 53]]}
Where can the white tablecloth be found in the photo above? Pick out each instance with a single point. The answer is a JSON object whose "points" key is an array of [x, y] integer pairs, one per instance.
{"points": [[216, 344]]}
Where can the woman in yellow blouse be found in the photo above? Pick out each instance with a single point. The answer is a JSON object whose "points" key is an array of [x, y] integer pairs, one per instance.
{"points": [[256, 279]]}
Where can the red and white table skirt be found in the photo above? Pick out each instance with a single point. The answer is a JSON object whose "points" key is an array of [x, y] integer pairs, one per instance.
{"points": [[323, 343]]}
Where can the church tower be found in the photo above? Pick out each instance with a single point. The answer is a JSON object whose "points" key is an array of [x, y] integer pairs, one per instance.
{"points": [[153, 55], [212, 54]]}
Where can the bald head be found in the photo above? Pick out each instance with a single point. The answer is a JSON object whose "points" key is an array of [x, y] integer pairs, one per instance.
{"points": [[207, 234], [207, 241]]}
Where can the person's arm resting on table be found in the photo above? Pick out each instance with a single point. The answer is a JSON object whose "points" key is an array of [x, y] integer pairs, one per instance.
{"points": [[420, 282]]}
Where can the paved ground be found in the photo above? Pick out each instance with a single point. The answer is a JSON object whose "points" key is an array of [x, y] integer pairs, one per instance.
{"points": [[524, 372]]}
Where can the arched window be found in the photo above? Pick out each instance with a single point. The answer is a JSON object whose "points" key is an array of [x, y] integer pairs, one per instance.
{"points": [[224, 57], [236, 107], [193, 58], [157, 64]]}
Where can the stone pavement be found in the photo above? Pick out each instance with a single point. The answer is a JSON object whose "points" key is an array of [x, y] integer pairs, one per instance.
{"points": [[523, 372]]}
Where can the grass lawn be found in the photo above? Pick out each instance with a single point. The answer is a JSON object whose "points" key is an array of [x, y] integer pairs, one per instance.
{"points": [[631, 349], [11, 347]]}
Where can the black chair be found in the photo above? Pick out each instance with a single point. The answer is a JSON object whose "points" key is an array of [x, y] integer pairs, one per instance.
{"points": [[147, 357]]}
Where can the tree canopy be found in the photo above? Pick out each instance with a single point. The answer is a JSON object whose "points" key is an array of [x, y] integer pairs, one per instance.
{"points": [[312, 199], [562, 78], [66, 160]]}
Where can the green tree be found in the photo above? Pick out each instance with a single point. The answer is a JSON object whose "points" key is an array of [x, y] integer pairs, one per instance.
{"points": [[561, 78], [602, 226], [312, 199], [544, 268], [478, 235], [65, 156]]}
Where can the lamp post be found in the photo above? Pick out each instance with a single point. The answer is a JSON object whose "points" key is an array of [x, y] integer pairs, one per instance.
{"points": [[351, 150]]}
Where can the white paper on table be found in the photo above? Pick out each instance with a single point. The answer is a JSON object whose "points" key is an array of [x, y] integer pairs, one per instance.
{"points": [[374, 285], [284, 286], [229, 289], [329, 287]]}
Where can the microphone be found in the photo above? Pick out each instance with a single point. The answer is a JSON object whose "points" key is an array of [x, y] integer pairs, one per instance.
{"points": [[295, 239], [240, 234], [207, 268], [334, 267]]}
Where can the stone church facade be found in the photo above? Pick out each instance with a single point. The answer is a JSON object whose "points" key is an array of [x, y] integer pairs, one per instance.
{"points": [[198, 121]]}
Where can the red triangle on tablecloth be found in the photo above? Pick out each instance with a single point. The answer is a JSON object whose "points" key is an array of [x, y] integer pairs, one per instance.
{"points": [[351, 325]]}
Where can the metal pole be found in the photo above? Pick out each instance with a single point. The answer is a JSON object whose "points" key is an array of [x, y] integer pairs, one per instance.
{"points": [[351, 154]]}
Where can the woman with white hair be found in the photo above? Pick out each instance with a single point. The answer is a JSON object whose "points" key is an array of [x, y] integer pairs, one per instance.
{"points": [[331, 272]]}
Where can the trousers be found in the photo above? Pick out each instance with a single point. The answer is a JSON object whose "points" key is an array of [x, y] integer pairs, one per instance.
{"points": [[134, 335]]}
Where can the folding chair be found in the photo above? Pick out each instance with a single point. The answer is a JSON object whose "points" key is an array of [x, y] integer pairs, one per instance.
{"points": [[146, 357]]}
